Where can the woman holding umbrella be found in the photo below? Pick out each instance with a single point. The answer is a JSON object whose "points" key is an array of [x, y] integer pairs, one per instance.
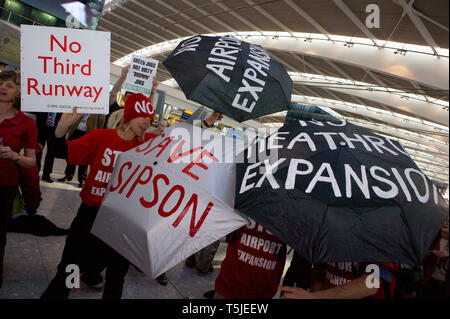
{"points": [[99, 149]]}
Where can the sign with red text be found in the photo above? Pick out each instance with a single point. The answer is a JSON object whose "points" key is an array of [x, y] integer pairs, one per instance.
{"points": [[62, 68], [140, 76], [170, 197]]}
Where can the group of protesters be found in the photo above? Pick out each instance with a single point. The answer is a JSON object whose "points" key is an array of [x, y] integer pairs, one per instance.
{"points": [[255, 258]]}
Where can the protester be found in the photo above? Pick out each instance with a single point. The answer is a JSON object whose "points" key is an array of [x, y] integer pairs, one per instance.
{"points": [[409, 282], [115, 115], [346, 280], [202, 260], [90, 150], [298, 273], [30, 188], [84, 125], [3, 66], [253, 264], [17, 132], [436, 265], [113, 121], [46, 125]]}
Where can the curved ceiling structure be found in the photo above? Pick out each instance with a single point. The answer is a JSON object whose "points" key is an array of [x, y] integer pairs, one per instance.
{"points": [[392, 79]]}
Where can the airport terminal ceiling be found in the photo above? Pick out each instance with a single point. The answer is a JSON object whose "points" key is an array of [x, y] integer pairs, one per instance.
{"points": [[390, 77]]}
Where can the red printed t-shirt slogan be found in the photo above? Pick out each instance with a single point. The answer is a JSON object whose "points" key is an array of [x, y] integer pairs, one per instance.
{"points": [[55, 66]]}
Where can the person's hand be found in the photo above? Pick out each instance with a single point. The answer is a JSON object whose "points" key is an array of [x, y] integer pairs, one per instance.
{"points": [[66, 121], [155, 84], [440, 254], [39, 148], [162, 125], [214, 117], [296, 293], [125, 71], [7, 153]]}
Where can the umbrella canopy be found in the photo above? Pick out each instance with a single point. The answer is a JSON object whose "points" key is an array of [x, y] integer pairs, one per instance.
{"points": [[337, 192], [233, 77], [170, 197]]}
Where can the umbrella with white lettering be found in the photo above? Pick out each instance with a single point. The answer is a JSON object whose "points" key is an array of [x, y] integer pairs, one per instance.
{"points": [[233, 77], [337, 192]]}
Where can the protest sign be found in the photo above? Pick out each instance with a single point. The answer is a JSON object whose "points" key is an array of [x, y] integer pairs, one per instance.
{"points": [[140, 76], [63, 68]]}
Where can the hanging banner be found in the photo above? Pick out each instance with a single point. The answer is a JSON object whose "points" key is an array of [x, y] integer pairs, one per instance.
{"points": [[140, 76], [63, 68]]}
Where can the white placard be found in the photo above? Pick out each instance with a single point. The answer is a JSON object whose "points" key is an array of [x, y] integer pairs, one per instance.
{"points": [[62, 68], [140, 76]]}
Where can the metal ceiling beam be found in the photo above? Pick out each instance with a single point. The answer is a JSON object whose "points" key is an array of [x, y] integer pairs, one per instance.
{"points": [[390, 119], [294, 68], [338, 69], [418, 24], [159, 15], [139, 45], [116, 42], [349, 13], [186, 17], [236, 15], [308, 18], [414, 66], [269, 16], [204, 12], [146, 20]]}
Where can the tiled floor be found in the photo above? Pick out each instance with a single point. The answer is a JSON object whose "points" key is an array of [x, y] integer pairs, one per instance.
{"points": [[30, 261]]}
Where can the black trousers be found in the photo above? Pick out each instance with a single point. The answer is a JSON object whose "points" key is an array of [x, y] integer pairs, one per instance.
{"points": [[80, 247], [70, 169], [7, 195], [47, 136]]}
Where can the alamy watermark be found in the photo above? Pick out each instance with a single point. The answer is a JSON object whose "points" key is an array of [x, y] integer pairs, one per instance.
{"points": [[73, 277], [373, 279], [373, 19]]}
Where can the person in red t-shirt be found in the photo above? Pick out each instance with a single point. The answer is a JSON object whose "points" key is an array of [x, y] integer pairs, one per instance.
{"points": [[99, 148], [347, 280], [435, 266], [17, 132], [253, 265]]}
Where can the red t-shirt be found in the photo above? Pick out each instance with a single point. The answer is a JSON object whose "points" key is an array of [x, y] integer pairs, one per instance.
{"points": [[253, 265], [99, 149], [18, 133], [341, 273]]}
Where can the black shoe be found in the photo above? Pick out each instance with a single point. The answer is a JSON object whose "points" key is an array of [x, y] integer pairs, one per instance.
{"points": [[162, 279], [190, 262], [80, 185], [62, 179], [209, 294], [92, 280], [47, 179]]}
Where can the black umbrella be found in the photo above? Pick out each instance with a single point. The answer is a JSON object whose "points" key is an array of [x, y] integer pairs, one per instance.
{"points": [[233, 77], [336, 192]]}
